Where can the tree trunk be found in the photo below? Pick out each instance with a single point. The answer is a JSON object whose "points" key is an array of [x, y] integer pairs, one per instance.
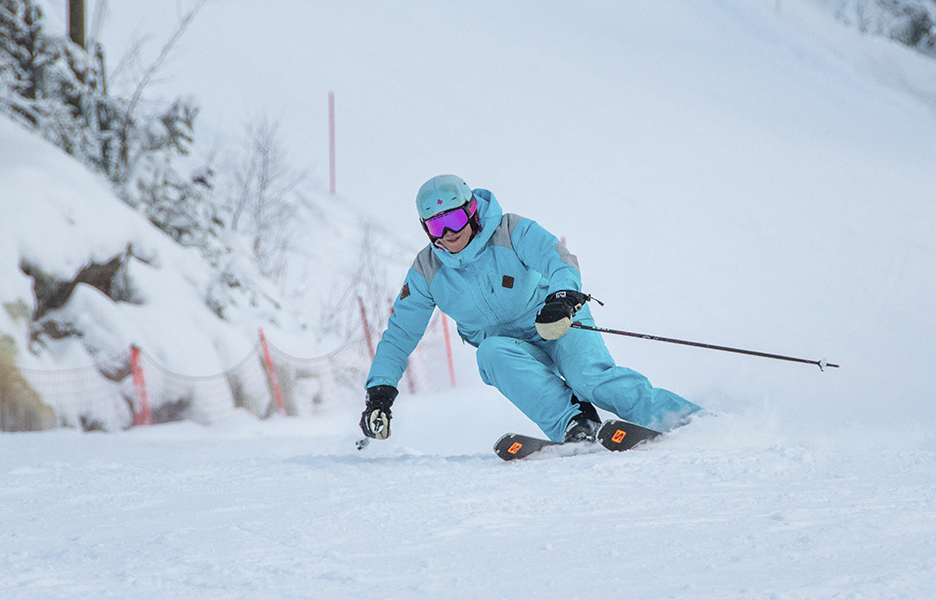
{"points": [[76, 21]]}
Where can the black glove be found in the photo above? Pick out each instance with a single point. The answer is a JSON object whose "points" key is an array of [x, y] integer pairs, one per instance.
{"points": [[555, 318], [375, 420]]}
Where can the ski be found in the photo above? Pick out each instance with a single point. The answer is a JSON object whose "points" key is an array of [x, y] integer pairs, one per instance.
{"points": [[615, 435], [516, 446]]}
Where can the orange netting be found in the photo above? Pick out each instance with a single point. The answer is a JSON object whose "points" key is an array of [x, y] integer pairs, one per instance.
{"points": [[133, 389]]}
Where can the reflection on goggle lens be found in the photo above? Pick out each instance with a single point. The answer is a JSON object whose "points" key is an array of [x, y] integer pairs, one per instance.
{"points": [[454, 219]]}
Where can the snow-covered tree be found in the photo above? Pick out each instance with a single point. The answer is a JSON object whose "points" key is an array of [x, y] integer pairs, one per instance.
{"points": [[21, 51], [56, 87]]}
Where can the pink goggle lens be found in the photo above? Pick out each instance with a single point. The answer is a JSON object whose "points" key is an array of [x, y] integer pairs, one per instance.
{"points": [[454, 219]]}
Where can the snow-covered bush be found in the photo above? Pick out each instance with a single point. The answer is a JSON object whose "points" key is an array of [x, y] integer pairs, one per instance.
{"points": [[259, 189], [910, 22]]}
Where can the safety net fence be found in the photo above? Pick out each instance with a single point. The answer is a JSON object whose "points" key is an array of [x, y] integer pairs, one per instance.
{"points": [[132, 389]]}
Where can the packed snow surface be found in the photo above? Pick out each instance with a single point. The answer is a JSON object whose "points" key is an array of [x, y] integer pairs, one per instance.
{"points": [[742, 173], [288, 509]]}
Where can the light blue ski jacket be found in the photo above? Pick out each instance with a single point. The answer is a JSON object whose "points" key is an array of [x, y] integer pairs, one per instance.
{"points": [[493, 287]]}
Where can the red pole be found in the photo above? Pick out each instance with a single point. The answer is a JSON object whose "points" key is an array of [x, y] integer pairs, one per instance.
{"points": [[448, 349], [409, 375], [144, 416], [274, 381], [331, 142], [367, 335]]}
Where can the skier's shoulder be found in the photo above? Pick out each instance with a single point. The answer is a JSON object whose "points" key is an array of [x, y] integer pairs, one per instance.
{"points": [[503, 235], [427, 263]]}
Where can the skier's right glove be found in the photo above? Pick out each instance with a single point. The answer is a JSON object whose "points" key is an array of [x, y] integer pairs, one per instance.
{"points": [[375, 420]]}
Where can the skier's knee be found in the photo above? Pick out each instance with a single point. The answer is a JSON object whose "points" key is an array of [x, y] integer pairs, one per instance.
{"points": [[493, 353], [486, 355], [492, 348]]}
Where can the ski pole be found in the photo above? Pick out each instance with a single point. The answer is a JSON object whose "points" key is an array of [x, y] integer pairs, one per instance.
{"points": [[822, 364]]}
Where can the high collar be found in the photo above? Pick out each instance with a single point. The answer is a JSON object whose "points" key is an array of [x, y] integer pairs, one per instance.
{"points": [[490, 214]]}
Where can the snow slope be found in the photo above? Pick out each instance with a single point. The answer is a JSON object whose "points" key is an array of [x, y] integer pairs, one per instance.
{"points": [[285, 509], [725, 173]]}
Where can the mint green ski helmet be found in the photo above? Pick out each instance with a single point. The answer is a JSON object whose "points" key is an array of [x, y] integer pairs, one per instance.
{"points": [[441, 193]]}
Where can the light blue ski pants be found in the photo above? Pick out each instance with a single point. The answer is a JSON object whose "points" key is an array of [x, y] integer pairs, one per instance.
{"points": [[539, 377]]}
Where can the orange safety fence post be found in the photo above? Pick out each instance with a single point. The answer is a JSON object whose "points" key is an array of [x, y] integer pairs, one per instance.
{"points": [[274, 382], [143, 416], [409, 374], [331, 143], [367, 335], [448, 349]]}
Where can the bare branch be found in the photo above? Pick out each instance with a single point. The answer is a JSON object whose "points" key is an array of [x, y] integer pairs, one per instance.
{"points": [[184, 23]]}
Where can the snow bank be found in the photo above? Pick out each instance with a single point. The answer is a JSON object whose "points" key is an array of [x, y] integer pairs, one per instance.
{"points": [[58, 218]]}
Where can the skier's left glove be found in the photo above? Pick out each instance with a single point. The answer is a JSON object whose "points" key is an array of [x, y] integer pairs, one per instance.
{"points": [[555, 318], [375, 420]]}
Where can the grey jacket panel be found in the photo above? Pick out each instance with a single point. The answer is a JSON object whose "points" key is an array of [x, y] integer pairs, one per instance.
{"points": [[427, 263], [503, 232], [566, 256]]}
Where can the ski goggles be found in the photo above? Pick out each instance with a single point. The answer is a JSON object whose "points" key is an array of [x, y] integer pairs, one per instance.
{"points": [[454, 219]]}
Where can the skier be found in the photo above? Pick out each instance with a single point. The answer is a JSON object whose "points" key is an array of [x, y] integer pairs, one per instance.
{"points": [[513, 290]]}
